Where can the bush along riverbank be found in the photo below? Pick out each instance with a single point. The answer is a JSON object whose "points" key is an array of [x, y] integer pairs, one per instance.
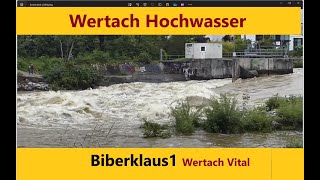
{"points": [[223, 115], [71, 77], [60, 76]]}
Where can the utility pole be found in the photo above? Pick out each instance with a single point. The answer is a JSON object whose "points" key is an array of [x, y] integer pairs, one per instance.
{"points": [[161, 57], [234, 46]]}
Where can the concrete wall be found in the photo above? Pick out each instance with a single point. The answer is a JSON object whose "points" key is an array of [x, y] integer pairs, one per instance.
{"points": [[125, 73], [157, 77], [175, 67], [267, 65], [240, 68], [215, 68], [212, 68], [109, 80], [127, 69], [235, 69], [212, 50], [141, 77]]}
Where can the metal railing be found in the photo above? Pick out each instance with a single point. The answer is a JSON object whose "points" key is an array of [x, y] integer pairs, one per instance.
{"points": [[252, 53], [257, 53], [172, 57]]}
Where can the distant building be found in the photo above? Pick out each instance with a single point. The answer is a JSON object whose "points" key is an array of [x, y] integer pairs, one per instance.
{"points": [[278, 40], [292, 41], [215, 37], [203, 50], [295, 41]]}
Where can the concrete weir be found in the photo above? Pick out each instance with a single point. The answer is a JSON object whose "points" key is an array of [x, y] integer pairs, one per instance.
{"points": [[240, 67], [212, 68], [251, 67], [203, 69]]}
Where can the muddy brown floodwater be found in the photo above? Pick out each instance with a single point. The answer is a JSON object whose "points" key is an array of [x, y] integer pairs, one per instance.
{"points": [[111, 116]]}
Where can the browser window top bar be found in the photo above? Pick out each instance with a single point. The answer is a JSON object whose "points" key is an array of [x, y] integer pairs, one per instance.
{"points": [[158, 0], [212, 3]]}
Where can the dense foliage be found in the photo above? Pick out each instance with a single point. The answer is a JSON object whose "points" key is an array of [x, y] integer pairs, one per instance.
{"points": [[71, 77], [186, 117], [224, 116], [103, 48]]}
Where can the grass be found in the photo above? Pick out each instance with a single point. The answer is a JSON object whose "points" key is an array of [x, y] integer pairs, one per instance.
{"points": [[274, 102], [291, 115], [295, 143], [223, 116], [152, 129], [186, 117], [289, 111], [42, 64], [298, 64], [256, 120]]}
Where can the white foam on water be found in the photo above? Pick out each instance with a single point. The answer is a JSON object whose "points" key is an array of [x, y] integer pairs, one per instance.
{"points": [[129, 103]]}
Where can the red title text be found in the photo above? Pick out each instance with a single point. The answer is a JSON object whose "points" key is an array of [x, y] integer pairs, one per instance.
{"points": [[85, 20]]}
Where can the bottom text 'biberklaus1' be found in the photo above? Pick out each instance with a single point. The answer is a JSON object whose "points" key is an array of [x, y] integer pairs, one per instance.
{"points": [[141, 160], [217, 162], [132, 160]]}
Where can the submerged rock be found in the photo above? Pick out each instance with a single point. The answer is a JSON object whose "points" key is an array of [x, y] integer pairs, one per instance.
{"points": [[198, 101], [31, 86]]}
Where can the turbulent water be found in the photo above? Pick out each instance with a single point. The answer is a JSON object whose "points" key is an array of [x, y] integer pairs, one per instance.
{"points": [[111, 116]]}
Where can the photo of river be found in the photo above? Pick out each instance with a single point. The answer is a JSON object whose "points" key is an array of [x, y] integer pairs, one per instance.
{"points": [[111, 116]]}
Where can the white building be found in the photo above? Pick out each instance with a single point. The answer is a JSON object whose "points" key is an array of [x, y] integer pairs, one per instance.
{"points": [[297, 40], [203, 50], [251, 37]]}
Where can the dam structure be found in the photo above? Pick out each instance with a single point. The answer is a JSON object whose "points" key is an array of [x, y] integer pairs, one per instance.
{"points": [[205, 61]]}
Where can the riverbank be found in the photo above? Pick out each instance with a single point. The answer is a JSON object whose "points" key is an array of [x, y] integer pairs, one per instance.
{"points": [[31, 82], [72, 77]]}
